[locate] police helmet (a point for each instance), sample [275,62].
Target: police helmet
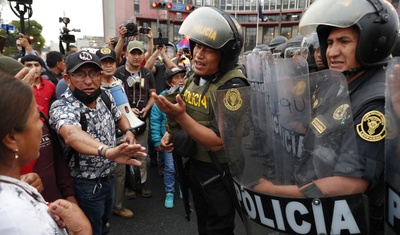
[309,45]
[276,41]
[217,30]
[396,49]
[170,44]
[279,51]
[377,22]
[295,41]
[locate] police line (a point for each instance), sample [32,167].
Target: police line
[327,215]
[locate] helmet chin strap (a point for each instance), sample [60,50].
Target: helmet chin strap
[352,71]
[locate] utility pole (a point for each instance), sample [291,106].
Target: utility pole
[280,19]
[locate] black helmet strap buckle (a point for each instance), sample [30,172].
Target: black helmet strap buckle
[383,15]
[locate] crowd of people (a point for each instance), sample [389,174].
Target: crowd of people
[67,144]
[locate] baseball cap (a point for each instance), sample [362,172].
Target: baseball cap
[170,72]
[105,52]
[10,65]
[135,45]
[79,58]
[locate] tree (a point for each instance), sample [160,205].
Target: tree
[32,29]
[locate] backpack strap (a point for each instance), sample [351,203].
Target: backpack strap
[106,99]
[84,124]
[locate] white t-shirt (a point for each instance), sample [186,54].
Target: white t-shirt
[23,210]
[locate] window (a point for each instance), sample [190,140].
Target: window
[250,39]
[286,32]
[136,9]
[268,34]
[176,36]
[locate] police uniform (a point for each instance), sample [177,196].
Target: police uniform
[332,151]
[367,94]
[212,202]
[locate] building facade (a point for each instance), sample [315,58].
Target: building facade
[262,20]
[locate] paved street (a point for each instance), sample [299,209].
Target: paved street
[151,217]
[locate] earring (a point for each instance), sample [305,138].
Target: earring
[16,154]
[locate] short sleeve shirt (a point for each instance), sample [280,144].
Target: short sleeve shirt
[100,125]
[23,210]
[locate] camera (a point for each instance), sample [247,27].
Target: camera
[160,40]
[132,29]
[65,36]
[144,30]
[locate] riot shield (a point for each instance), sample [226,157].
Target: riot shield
[309,135]
[392,148]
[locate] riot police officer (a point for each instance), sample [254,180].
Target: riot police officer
[311,51]
[358,45]
[215,42]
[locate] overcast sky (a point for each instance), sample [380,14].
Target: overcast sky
[85,15]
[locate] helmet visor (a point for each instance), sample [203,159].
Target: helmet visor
[336,13]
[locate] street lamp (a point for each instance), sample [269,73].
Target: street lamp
[22,7]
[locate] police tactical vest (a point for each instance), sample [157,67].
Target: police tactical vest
[198,106]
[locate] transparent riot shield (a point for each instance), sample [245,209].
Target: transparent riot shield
[392,148]
[311,137]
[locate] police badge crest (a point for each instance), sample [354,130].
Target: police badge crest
[372,126]
[233,100]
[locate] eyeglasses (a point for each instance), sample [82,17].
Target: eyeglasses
[80,76]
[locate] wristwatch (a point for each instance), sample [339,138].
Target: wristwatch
[131,129]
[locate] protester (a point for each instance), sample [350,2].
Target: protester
[51,167]
[24,47]
[109,64]
[139,84]
[123,41]
[86,118]
[55,67]
[23,209]
[214,61]
[175,79]
[159,61]
[44,90]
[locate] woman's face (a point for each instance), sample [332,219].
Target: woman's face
[28,141]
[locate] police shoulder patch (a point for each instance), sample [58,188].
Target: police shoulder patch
[372,126]
[233,100]
[300,88]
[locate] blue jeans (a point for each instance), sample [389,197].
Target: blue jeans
[95,198]
[169,172]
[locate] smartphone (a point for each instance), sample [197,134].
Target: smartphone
[144,30]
